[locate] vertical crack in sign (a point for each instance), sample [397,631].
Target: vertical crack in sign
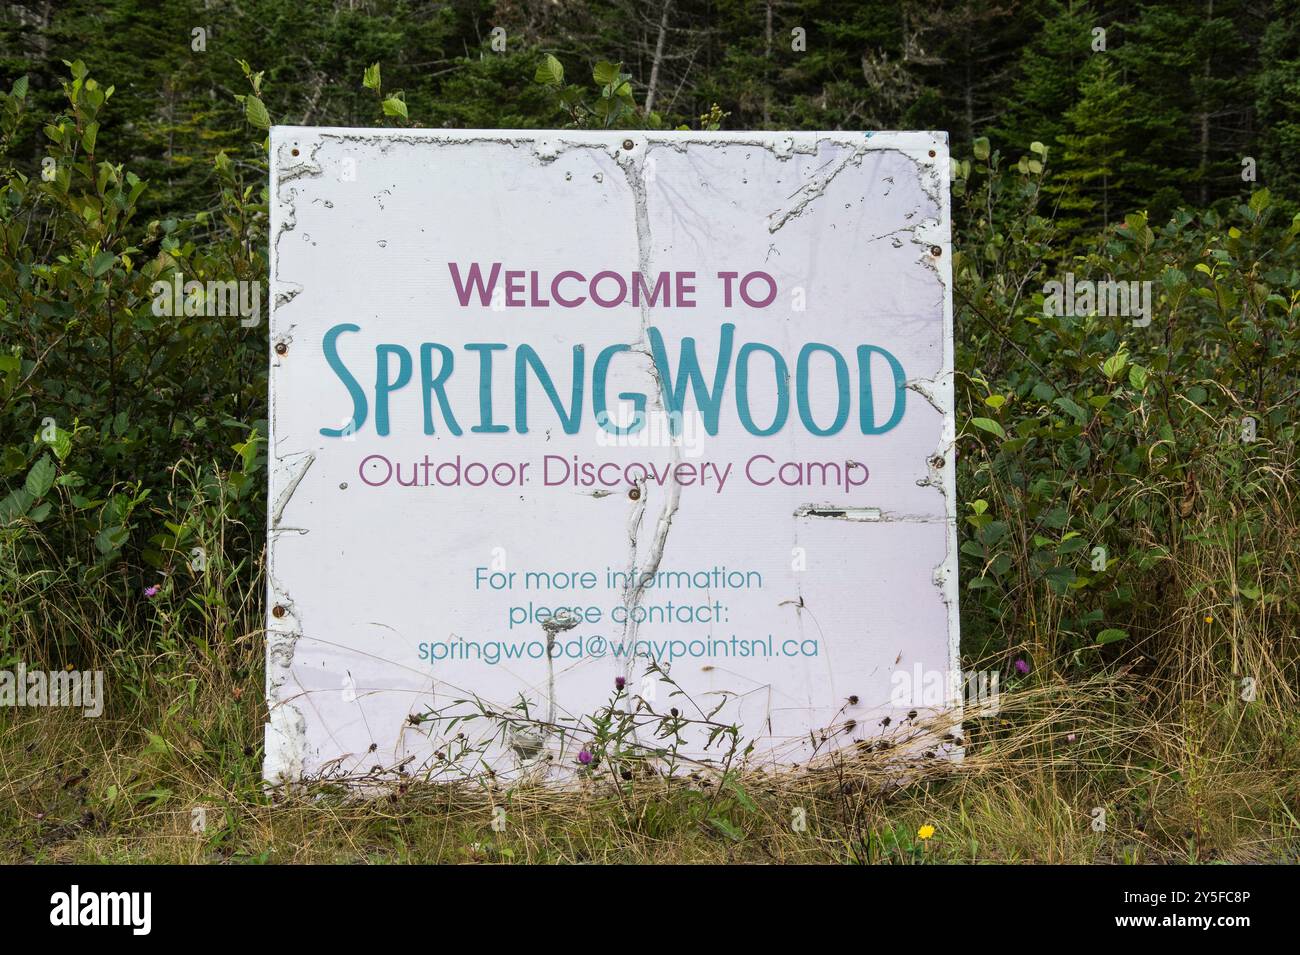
[641,572]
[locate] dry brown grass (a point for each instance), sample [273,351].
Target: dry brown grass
[1159,737]
[1220,783]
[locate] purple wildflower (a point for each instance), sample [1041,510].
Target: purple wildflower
[584,757]
[1022,667]
[619,682]
[152,591]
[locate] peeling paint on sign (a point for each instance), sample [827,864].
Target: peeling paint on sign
[770,544]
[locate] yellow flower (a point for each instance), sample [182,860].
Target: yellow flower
[1209,619]
[925,832]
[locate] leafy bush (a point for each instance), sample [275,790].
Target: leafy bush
[102,392]
[1092,431]
[1110,499]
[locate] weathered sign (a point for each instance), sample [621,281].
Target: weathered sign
[584,443]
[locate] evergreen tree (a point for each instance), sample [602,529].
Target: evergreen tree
[1277,102]
[1189,62]
[1046,83]
[1201,91]
[971,48]
[1091,175]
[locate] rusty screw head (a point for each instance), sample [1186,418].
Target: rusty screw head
[281,348]
[936,461]
[936,251]
[628,144]
[931,153]
[634,494]
[278,611]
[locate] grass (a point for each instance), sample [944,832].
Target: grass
[1159,738]
[1218,785]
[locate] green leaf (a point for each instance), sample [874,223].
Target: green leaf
[980,147]
[101,263]
[989,425]
[395,106]
[1172,279]
[1071,546]
[742,797]
[40,477]
[1111,636]
[1114,365]
[727,828]
[255,112]
[370,79]
[1072,408]
[1060,579]
[110,539]
[550,72]
[15,505]
[605,73]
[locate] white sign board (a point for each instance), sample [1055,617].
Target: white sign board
[687,396]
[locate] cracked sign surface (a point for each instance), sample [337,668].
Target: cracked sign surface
[689,395]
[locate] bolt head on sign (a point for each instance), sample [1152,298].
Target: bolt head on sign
[648,391]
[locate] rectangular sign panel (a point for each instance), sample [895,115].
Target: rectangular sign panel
[587,442]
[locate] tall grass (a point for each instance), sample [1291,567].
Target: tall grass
[1182,767]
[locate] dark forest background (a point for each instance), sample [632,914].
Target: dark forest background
[1182,92]
[1128,492]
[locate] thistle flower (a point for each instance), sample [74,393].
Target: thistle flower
[584,757]
[152,591]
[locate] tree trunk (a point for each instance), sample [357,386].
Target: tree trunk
[767,70]
[1205,121]
[659,56]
